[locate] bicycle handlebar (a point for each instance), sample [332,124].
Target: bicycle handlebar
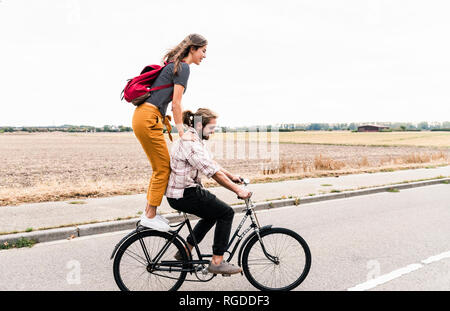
[246,181]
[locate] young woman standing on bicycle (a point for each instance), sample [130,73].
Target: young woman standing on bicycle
[149,117]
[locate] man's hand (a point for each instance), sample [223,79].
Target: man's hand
[244,194]
[236,179]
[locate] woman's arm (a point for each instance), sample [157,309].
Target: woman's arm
[177,109]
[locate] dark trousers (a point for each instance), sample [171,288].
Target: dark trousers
[211,210]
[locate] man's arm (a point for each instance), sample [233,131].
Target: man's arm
[224,181]
[227,173]
[211,169]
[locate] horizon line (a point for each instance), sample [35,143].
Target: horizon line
[223,125]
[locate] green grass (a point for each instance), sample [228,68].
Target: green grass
[445,182]
[393,190]
[22,242]
[28,229]
[387,170]
[335,191]
[77,202]
[326,185]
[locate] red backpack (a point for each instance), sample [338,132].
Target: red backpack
[138,89]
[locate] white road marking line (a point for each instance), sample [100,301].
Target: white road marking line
[398,273]
[436,258]
[385,278]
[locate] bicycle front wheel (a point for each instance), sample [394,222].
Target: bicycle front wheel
[280,261]
[135,266]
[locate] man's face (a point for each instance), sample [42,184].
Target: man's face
[208,129]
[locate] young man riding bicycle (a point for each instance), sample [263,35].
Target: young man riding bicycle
[185,191]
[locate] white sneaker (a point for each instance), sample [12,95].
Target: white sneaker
[154,223]
[163,218]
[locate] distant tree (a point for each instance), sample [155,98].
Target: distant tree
[314,127]
[352,127]
[423,126]
[124,128]
[7,129]
[411,126]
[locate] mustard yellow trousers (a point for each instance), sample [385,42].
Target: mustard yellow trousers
[148,125]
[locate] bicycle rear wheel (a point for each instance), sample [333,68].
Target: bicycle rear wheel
[132,271]
[290,264]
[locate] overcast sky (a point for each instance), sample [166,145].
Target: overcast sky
[268,62]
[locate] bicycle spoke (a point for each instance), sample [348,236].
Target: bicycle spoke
[136,257]
[290,256]
[133,264]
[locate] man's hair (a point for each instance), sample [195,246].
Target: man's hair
[203,114]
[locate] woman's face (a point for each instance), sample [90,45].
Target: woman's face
[198,55]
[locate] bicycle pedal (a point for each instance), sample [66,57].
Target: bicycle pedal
[226,275]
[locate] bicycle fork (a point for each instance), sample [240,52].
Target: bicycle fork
[255,221]
[273,259]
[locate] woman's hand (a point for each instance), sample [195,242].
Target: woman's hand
[188,136]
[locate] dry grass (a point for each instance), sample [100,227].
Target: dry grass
[41,167]
[424,138]
[322,164]
[325,163]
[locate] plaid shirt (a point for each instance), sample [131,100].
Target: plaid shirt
[187,159]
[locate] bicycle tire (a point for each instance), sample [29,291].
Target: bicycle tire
[252,247]
[146,235]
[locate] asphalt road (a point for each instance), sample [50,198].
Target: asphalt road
[385,241]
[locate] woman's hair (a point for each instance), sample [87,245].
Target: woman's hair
[206,115]
[179,52]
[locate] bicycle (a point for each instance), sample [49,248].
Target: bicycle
[149,262]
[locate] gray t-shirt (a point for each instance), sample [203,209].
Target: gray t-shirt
[162,98]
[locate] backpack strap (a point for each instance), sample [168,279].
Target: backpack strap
[160,87]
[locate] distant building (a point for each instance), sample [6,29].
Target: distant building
[371,128]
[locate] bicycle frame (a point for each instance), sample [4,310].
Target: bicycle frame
[176,265]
